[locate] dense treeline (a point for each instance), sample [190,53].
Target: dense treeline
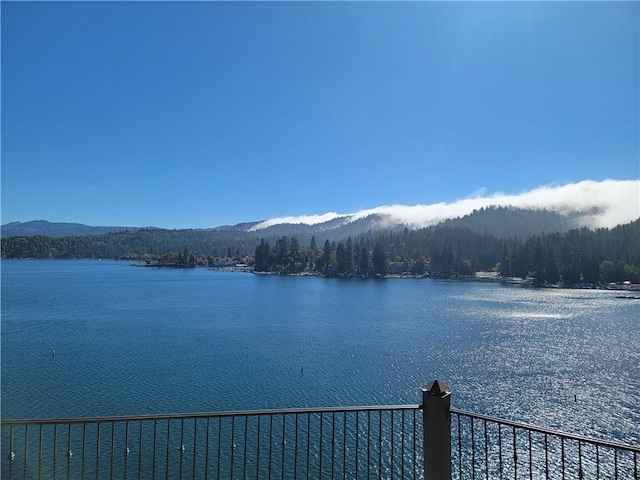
[342,258]
[441,251]
[577,256]
[136,244]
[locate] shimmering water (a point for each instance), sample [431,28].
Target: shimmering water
[139,340]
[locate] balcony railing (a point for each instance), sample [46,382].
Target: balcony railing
[360,442]
[429,441]
[489,447]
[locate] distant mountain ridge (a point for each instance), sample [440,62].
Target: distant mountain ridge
[498,221]
[55,229]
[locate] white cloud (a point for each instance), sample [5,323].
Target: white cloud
[605,203]
[306,219]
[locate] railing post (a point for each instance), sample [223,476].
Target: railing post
[436,401]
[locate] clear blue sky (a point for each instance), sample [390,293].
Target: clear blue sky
[200,114]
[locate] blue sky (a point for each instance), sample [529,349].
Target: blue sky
[199,114]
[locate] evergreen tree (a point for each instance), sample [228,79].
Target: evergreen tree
[261,258]
[341,258]
[363,263]
[348,256]
[379,260]
[326,256]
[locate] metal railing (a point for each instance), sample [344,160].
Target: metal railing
[488,448]
[336,443]
[431,441]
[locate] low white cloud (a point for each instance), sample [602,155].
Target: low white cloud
[605,203]
[302,219]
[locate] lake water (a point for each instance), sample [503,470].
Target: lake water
[141,340]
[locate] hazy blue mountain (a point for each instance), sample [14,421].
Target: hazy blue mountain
[54,229]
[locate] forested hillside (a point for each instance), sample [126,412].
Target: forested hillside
[578,256]
[514,222]
[136,244]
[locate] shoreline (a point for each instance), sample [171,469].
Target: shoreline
[627,290]
[478,277]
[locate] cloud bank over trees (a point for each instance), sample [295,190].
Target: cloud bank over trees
[605,203]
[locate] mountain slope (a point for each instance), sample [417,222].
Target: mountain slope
[498,221]
[509,221]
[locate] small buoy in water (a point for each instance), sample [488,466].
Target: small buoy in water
[301,369]
[53,353]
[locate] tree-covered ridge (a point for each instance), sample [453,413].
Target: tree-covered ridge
[137,244]
[579,256]
[510,221]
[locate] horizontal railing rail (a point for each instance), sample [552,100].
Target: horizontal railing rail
[487,447]
[230,413]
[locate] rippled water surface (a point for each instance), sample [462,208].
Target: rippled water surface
[139,340]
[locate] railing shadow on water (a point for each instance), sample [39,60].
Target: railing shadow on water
[432,441]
